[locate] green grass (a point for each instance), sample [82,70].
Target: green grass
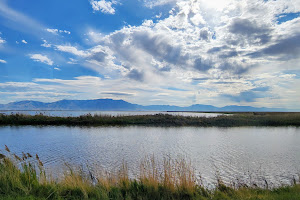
[25,178]
[237,119]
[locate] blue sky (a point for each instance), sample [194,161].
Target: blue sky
[177,52]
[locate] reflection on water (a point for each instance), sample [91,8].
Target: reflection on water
[110,113]
[246,153]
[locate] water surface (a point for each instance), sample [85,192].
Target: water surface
[244,153]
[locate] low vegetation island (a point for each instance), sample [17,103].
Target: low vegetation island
[229,120]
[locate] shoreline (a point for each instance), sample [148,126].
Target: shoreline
[24,177]
[160,120]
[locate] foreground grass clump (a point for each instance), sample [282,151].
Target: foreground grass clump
[236,119]
[24,178]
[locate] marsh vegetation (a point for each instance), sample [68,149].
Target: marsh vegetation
[24,177]
[235,119]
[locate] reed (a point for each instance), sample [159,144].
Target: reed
[236,119]
[167,179]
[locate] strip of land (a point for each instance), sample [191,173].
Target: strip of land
[232,120]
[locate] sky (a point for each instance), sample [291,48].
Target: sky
[152,52]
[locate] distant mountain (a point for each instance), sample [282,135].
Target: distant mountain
[98,104]
[250,109]
[120,105]
[196,107]
[24,105]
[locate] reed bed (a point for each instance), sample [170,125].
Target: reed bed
[236,119]
[24,177]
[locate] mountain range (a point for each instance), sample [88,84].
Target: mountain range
[121,105]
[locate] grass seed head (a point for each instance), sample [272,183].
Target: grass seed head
[17,157]
[7,149]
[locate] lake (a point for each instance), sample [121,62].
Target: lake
[77,113]
[244,153]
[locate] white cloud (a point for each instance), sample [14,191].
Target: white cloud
[158,16]
[95,36]
[24,41]
[154,3]
[212,40]
[41,58]
[72,61]
[88,83]
[56,31]
[64,31]
[46,44]
[148,23]
[2,61]
[103,6]
[72,50]
[203,49]
[2,41]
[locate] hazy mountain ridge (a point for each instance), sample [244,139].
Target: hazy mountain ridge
[121,105]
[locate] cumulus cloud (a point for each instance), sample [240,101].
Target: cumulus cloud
[154,3]
[56,31]
[72,61]
[205,35]
[159,46]
[286,49]
[136,75]
[2,41]
[210,49]
[246,31]
[72,50]
[3,61]
[202,65]
[46,44]
[246,27]
[103,6]
[41,58]
[198,38]
[24,41]
[289,47]
[178,34]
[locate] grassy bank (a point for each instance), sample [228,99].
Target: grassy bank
[23,177]
[237,119]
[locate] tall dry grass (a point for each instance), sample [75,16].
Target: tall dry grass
[24,175]
[176,174]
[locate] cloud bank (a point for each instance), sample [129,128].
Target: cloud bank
[238,52]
